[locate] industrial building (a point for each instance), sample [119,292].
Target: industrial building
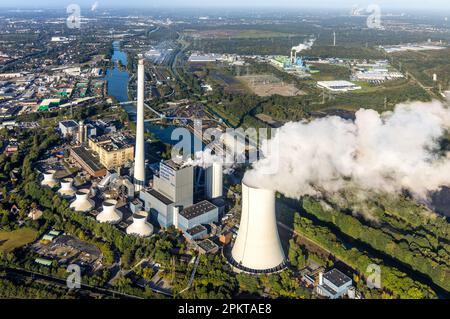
[333,284]
[68,128]
[202,213]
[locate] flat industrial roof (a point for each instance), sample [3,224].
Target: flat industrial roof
[207,245]
[336,277]
[196,230]
[69,123]
[160,197]
[197,210]
[88,158]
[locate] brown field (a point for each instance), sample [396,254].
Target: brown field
[268,85]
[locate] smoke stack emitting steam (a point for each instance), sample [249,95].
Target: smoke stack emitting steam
[388,152]
[139,161]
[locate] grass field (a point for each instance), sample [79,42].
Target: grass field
[15,239]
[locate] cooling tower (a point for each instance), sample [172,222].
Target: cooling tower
[139,161]
[140,226]
[82,202]
[49,179]
[67,190]
[110,214]
[257,248]
[214,181]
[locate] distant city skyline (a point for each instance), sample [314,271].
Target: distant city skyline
[442,5]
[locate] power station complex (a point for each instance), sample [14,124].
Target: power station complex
[168,199]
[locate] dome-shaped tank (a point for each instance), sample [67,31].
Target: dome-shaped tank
[140,226]
[67,190]
[82,202]
[49,179]
[110,213]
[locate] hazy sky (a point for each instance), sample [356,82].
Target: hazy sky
[443,5]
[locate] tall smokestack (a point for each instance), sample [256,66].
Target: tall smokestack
[139,161]
[258,248]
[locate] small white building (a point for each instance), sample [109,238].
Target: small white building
[338,86]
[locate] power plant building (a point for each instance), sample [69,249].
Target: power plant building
[203,213]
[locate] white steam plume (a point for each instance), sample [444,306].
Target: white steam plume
[388,152]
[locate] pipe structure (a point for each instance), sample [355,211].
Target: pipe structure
[139,161]
[257,248]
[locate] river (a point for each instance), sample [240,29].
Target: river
[118,87]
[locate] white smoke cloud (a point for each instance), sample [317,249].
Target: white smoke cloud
[95,6]
[304,46]
[388,152]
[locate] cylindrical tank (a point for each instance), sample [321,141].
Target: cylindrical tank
[258,247]
[49,179]
[110,214]
[140,226]
[82,202]
[214,181]
[67,190]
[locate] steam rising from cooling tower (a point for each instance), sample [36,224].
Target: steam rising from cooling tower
[139,162]
[82,202]
[258,248]
[389,152]
[110,214]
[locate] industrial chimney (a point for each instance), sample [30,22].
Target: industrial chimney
[110,213]
[49,179]
[139,161]
[214,181]
[140,226]
[257,248]
[82,202]
[67,190]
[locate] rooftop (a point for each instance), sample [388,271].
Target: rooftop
[337,278]
[197,210]
[87,157]
[160,197]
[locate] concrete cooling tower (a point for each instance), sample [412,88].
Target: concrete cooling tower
[140,226]
[257,248]
[82,202]
[110,214]
[49,179]
[67,190]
